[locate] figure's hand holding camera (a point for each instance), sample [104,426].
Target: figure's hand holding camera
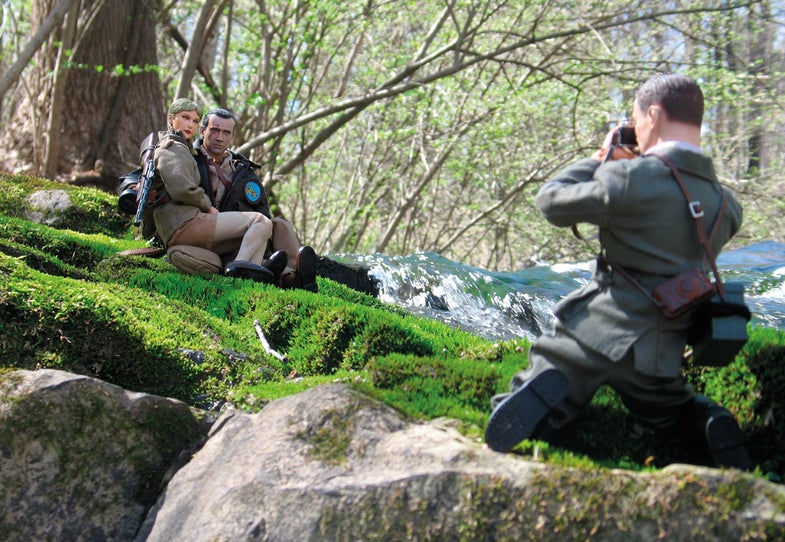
[620,144]
[624,138]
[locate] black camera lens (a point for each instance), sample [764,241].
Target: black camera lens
[127,201]
[126,190]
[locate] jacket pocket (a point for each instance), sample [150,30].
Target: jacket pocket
[576,301]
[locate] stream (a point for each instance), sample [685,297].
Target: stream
[505,305]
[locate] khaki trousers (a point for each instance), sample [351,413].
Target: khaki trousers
[223,233]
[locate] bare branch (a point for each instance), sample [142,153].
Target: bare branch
[404,81]
[194,51]
[52,21]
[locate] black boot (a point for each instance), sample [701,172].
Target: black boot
[717,433]
[307,262]
[520,414]
[247,270]
[276,263]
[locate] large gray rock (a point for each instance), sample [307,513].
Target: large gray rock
[332,464]
[81,459]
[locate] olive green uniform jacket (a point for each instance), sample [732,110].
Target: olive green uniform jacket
[645,227]
[179,175]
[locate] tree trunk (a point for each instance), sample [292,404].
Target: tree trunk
[109,98]
[59,85]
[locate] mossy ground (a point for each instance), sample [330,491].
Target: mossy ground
[69,301]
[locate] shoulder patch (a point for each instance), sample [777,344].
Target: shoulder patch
[252,191]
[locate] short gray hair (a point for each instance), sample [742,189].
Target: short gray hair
[184,104]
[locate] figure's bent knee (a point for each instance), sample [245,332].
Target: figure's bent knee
[262,226]
[256,219]
[194,260]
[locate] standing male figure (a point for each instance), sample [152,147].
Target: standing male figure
[236,187]
[610,332]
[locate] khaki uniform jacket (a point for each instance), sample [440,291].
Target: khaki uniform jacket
[179,174]
[645,227]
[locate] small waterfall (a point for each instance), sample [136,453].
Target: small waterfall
[504,305]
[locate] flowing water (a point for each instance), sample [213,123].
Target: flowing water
[504,305]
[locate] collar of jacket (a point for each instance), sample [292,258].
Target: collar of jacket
[665,146]
[686,159]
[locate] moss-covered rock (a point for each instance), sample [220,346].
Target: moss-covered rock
[83,459]
[330,464]
[89,210]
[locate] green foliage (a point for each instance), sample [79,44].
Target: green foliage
[69,301]
[401,126]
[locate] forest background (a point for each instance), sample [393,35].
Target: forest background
[396,126]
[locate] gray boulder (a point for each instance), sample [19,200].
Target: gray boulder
[332,464]
[85,460]
[82,459]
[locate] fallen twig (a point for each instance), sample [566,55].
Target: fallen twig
[265,344]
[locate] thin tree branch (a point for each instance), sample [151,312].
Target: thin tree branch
[52,21]
[403,81]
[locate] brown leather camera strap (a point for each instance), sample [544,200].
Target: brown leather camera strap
[696,211]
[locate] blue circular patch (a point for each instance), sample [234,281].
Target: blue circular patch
[253,192]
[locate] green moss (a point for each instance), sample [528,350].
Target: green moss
[94,211]
[555,504]
[68,301]
[330,440]
[428,387]
[255,396]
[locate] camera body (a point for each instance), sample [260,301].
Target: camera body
[130,201]
[627,136]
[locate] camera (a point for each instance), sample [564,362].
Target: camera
[625,136]
[127,192]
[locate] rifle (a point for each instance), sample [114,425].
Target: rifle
[146,152]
